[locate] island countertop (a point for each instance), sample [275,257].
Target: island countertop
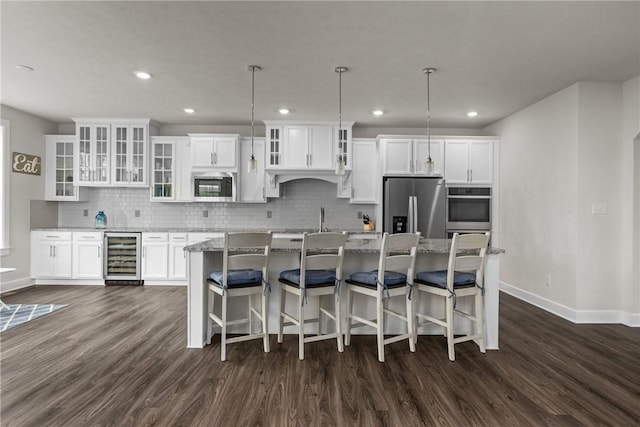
[359,245]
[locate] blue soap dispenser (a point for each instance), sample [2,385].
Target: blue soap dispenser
[101,220]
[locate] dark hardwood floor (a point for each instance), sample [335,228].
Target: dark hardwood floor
[116,356]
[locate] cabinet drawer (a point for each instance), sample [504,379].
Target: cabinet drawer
[201,237]
[155,237]
[87,237]
[53,235]
[178,237]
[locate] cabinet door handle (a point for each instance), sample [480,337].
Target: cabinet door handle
[99,251]
[310,160]
[144,252]
[470,175]
[211,161]
[50,251]
[54,251]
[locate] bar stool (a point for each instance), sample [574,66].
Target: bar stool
[463,277]
[395,265]
[244,273]
[319,275]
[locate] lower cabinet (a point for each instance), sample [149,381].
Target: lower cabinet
[51,256]
[177,256]
[87,255]
[155,256]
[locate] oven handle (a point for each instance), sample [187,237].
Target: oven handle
[468,197]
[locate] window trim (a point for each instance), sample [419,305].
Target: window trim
[5,182]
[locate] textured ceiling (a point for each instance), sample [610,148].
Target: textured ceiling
[493,57]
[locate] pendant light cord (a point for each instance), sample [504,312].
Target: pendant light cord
[253,73]
[428,71]
[340,70]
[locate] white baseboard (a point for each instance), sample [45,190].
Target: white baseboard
[571,314]
[16,284]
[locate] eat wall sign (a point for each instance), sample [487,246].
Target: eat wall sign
[26,163]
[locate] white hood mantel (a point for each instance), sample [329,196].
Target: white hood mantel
[279,176]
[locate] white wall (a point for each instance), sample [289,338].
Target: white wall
[538,174]
[631,195]
[557,158]
[27,136]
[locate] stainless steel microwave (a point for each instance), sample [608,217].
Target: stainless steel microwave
[214,187]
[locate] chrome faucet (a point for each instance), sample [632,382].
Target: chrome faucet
[321,228]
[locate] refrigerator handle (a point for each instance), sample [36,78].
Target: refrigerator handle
[414,228]
[412,215]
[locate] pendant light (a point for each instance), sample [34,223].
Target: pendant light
[252,166]
[340,163]
[428,164]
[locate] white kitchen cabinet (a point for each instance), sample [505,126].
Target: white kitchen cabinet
[112,152]
[469,162]
[87,255]
[51,255]
[59,184]
[91,165]
[214,152]
[252,185]
[193,238]
[177,256]
[365,176]
[129,161]
[306,145]
[170,169]
[155,254]
[406,156]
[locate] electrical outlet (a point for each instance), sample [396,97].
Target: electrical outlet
[547,281]
[268,214]
[136,213]
[205,214]
[85,212]
[359,214]
[599,208]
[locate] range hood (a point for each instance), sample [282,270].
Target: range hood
[279,176]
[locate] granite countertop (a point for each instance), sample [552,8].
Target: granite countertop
[193,230]
[426,246]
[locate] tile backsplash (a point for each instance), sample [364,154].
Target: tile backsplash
[297,207]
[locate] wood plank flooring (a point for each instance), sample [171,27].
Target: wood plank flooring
[117,356]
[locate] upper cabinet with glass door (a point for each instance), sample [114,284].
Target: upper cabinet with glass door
[59,172]
[113,152]
[306,145]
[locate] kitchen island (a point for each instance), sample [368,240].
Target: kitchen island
[360,255]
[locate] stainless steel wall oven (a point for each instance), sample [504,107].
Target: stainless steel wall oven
[468,209]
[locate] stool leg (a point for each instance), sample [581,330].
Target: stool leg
[301,327]
[283,300]
[410,323]
[250,314]
[480,321]
[347,333]
[210,301]
[380,325]
[338,323]
[223,334]
[449,328]
[265,319]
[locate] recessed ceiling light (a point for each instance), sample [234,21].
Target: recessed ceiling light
[143,75]
[283,111]
[377,112]
[24,67]
[189,110]
[472,113]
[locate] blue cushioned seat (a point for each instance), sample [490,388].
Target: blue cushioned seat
[237,278]
[392,279]
[439,279]
[312,277]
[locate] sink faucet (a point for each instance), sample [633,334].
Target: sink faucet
[321,228]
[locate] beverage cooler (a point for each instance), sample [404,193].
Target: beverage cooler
[122,258]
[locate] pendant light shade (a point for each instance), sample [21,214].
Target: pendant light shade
[340,161]
[428,164]
[252,165]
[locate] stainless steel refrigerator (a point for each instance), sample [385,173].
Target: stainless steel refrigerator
[414,204]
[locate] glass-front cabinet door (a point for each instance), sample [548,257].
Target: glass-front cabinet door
[163,169]
[59,172]
[129,155]
[92,158]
